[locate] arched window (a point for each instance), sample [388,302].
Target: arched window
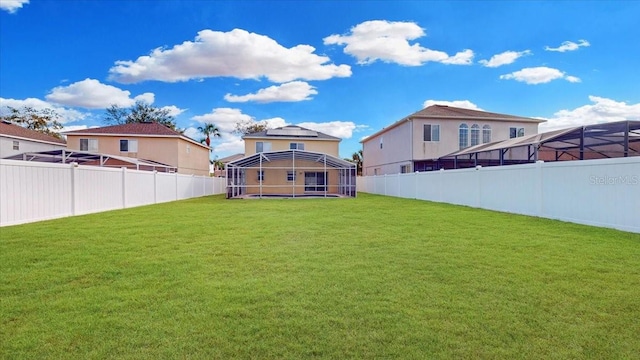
[486,134]
[464,136]
[475,134]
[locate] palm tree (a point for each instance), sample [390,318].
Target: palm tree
[209,131]
[357,159]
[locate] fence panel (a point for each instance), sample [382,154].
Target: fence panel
[39,191]
[604,192]
[34,192]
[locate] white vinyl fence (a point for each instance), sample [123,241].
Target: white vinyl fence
[602,193]
[31,191]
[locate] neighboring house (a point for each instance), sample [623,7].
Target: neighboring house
[220,171]
[291,161]
[148,141]
[415,142]
[15,139]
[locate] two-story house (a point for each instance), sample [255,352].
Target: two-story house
[416,142]
[15,139]
[148,141]
[290,161]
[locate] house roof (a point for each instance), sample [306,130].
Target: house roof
[291,132]
[444,112]
[231,158]
[150,129]
[12,130]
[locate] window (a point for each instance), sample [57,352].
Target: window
[381,138]
[515,132]
[263,146]
[296,146]
[291,176]
[132,146]
[188,148]
[16,145]
[475,134]
[405,169]
[88,144]
[431,132]
[486,134]
[260,175]
[464,136]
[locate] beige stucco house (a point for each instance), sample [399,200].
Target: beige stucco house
[416,142]
[147,141]
[290,161]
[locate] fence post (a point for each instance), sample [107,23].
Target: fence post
[74,188]
[479,190]
[124,187]
[155,186]
[539,188]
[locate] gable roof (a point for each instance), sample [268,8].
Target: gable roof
[12,130]
[444,112]
[291,132]
[147,129]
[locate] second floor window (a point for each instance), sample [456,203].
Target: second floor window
[16,145]
[431,132]
[463,136]
[262,146]
[129,145]
[515,132]
[475,134]
[296,146]
[88,144]
[486,134]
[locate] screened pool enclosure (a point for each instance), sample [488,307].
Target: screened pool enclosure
[291,173]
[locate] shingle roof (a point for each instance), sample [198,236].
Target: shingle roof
[291,131]
[14,130]
[444,112]
[145,128]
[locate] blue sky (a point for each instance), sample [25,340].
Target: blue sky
[346,68]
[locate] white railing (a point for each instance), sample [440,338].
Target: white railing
[31,191]
[602,192]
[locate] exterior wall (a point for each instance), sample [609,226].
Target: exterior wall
[329,147]
[192,159]
[188,157]
[275,177]
[395,151]
[404,143]
[6,146]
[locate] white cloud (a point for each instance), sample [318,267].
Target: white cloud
[505,58]
[389,42]
[236,53]
[602,110]
[465,104]
[569,46]
[11,6]
[224,118]
[92,94]
[66,115]
[341,129]
[538,75]
[173,110]
[232,144]
[288,92]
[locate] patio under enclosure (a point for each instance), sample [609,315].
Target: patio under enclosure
[291,173]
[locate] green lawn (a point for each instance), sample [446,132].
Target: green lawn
[372,277]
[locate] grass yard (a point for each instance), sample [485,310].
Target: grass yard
[372,277]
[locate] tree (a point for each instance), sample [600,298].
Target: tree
[249,127]
[209,130]
[356,158]
[42,120]
[138,113]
